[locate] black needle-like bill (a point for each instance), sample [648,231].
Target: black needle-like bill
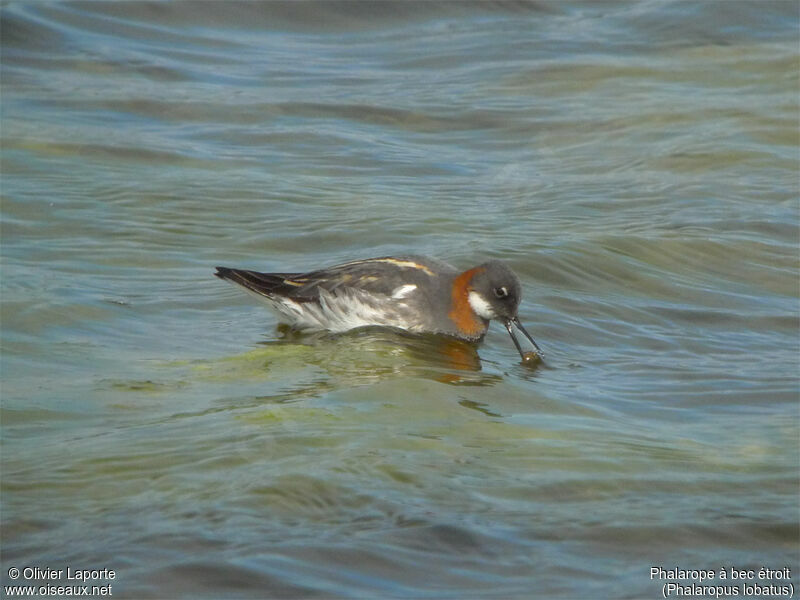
[513,323]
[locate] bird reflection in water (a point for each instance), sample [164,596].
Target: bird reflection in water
[377,352]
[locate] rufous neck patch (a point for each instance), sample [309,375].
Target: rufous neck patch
[461,313]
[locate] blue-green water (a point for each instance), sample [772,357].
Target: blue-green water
[635,163]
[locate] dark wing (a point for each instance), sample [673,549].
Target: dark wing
[376,276]
[266,284]
[305,287]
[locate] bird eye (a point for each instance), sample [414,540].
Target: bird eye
[501,292]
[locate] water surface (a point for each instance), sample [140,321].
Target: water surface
[636,164]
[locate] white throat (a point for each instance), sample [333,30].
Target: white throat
[481,307]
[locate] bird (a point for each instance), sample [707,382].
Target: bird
[413,293]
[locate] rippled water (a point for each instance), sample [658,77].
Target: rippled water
[635,163]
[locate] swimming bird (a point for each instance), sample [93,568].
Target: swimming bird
[413,293]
